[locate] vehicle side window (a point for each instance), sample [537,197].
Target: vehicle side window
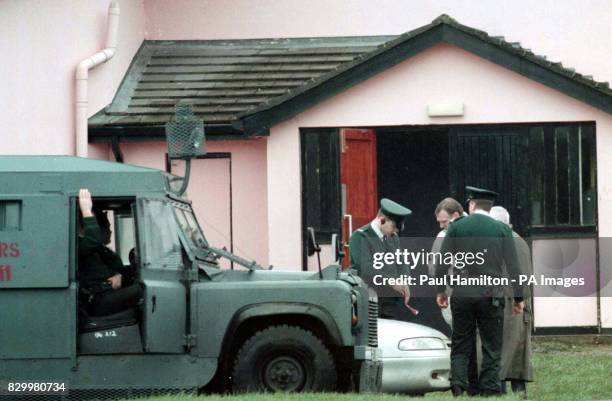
[10,215]
[125,239]
[116,216]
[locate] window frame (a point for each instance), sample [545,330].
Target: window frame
[548,167]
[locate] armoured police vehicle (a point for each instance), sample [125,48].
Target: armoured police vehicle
[246,329]
[252,328]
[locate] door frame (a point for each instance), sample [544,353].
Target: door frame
[335,143]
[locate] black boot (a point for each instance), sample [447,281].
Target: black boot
[456,390]
[519,387]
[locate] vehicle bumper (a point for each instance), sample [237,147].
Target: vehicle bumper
[416,375]
[369,371]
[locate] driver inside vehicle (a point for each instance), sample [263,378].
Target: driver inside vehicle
[103,278]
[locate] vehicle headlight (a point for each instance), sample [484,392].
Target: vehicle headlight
[421,343]
[354,317]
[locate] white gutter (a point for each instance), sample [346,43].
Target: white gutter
[82,74]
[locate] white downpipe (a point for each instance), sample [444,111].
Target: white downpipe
[82,74]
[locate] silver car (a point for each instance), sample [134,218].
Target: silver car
[416,358]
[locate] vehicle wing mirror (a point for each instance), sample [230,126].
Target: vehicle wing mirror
[312,242]
[336,244]
[314,247]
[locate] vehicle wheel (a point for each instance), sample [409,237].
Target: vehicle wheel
[284,359]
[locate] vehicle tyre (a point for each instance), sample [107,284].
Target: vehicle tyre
[284,359]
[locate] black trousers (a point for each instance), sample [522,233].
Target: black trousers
[113,301]
[488,315]
[473,371]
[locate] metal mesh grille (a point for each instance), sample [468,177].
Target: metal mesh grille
[185,134]
[373,323]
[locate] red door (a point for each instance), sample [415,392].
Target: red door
[358,177]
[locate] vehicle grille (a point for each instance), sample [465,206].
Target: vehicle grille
[373,323]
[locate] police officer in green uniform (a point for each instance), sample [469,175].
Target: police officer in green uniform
[102,276]
[381,236]
[479,305]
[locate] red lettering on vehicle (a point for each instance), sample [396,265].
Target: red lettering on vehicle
[9,250]
[5,273]
[15,250]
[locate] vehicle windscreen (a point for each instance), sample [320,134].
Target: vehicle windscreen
[190,227]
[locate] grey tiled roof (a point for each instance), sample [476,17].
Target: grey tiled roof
[224,78]
[251,85]
[442,29]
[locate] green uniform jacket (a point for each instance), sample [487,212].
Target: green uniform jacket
[516,349]
[97,263]
[475,234]
[364,243]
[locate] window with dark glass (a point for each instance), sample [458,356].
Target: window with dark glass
[10,215]
[321,181]
[563,175]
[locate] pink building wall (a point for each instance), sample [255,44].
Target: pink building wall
[41,43]
[210,197]
[399,96]
[574,32]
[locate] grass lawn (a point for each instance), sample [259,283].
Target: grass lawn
[566,370]
[570,371]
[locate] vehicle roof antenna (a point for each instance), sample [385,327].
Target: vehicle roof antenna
[186,141]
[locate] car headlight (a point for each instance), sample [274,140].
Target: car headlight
[421,343]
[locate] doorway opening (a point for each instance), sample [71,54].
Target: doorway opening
[545,174]
[413,168]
